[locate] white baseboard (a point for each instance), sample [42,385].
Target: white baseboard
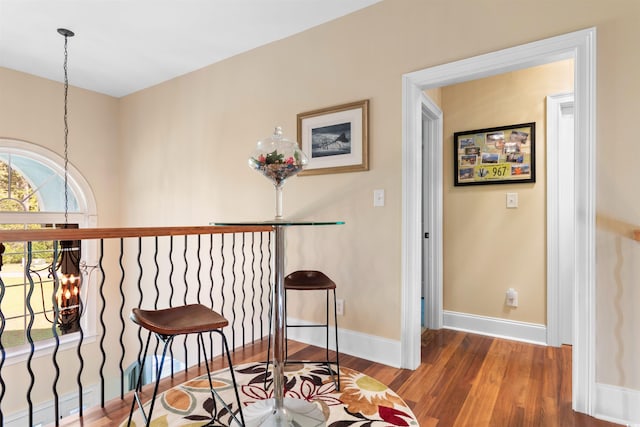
[618,405]
[44,413]
[364,346]
[510,329]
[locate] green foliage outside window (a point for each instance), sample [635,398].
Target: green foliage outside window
[17,195]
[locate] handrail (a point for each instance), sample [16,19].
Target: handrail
[232,274]
[110,233]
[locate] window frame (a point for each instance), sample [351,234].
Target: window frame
[85,217]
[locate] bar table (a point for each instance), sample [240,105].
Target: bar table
[281,411]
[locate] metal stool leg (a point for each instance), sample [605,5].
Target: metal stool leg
[139,382]
[214,394]
[335,324]
[266,369]
[286,328]
[136,398]
[233,377]
[167,341]
[326,328]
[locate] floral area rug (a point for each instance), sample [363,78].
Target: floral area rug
[362,401]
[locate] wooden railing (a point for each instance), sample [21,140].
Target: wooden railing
[44,379]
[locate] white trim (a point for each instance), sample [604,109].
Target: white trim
[580,46]
[44,414]
[501,328]
[363,346]
[560,207]
[433,183]
[584,345]
[45,348]
[618,405]
[411,223]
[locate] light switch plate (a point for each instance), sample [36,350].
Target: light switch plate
[378,198]
[512,200]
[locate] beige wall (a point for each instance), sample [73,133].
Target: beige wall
[206,123]
[195,133]
[31,110]
[487,247]
[435,95]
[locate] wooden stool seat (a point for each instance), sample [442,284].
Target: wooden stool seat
[308,280]
[186,319]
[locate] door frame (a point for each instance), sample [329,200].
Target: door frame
[431,194]
[560,215]
[579,45]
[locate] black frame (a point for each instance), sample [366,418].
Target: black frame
[498,155]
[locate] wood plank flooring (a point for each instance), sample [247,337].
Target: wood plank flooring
[464,380]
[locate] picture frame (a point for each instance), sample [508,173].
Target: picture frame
[335,139]
[498,155]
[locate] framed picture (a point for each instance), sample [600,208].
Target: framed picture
[501,155]
[335,139]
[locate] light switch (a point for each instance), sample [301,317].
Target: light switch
[378,198]
[512,200]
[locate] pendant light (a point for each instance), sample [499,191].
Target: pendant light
[67,267]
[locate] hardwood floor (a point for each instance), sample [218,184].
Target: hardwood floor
[464,380]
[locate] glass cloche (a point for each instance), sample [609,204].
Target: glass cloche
[278,158]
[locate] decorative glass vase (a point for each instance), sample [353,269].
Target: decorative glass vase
[278,158]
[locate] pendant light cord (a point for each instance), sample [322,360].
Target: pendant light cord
[66,136]
[66,33]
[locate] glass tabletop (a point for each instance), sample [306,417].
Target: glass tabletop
[274,222]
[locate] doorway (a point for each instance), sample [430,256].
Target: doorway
[581,47]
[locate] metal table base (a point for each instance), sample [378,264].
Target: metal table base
[281,411]
[294,412]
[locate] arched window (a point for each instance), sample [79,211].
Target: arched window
[33,195]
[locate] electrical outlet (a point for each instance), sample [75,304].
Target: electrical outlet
[340,307]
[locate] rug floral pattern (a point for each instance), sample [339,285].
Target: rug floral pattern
[362,401]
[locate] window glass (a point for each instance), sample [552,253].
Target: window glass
[33,184]
[32,196]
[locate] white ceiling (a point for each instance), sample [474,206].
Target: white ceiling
[122,46]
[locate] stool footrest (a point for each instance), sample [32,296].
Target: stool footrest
[306,326]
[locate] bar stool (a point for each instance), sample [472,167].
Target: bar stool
[311,280]
[168,323]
